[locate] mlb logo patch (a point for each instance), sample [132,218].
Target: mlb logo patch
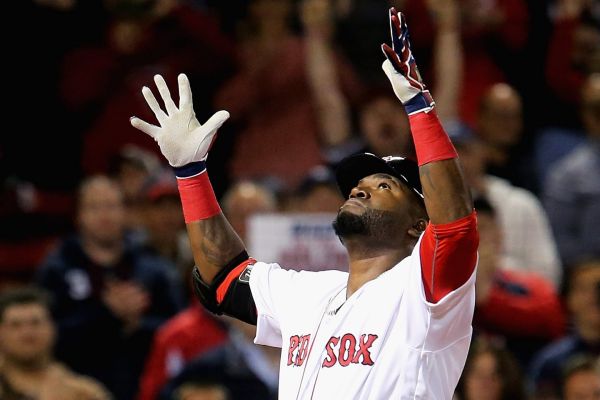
[245,276]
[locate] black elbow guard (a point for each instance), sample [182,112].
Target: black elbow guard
[229,293]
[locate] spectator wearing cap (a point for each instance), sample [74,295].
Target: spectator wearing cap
[110,293]
[583,301]
[521,307]
[527,241]
[164,227]
[131,168]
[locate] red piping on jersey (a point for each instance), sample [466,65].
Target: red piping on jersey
[231,276]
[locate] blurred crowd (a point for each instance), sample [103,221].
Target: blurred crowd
[95,293]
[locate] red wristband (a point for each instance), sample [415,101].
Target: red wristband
[431,141]
[197,198]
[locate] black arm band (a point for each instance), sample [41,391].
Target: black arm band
[238,301]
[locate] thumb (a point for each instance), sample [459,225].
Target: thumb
[216,121]
[210,128]
[388,68]
[149,129]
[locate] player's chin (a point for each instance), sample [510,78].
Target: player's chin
[346,213]
[348,223]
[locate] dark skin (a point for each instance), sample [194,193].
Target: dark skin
[447,199]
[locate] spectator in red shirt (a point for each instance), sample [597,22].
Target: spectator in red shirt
[492,32]
[181,339]
[193,332]
[282,95]
[100,83]
[523,307]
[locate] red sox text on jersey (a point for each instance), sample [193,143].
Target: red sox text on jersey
[343,350]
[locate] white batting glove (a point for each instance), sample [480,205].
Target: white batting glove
[401,68]
[181,138]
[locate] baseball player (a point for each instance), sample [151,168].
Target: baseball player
[398,325]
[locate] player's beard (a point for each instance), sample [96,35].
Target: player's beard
[371,223]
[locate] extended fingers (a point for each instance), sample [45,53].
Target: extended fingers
[153,104]
[404,35]
[163,89]
[395,31]
[185,92]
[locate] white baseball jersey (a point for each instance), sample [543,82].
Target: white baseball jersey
[383,342]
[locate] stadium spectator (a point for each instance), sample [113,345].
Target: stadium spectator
[110,295]
[131,168]
[583,301]
[164,228]
[318,192]
[244,199]
[28,370]
[527,239]
[384,124]
[493,35]
[581,379]
[248,371]
[520,306]
[491,373]
[572,188]
[500,126]
[180,340]
[99,83]
[573,54]
[280,96]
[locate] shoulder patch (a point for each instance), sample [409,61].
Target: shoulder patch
[245,276]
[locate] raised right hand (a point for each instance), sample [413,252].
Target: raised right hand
[401,68]
[181,138]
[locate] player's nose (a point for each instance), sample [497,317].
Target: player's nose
[359,192]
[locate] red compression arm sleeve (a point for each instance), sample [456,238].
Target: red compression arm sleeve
[448,256]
